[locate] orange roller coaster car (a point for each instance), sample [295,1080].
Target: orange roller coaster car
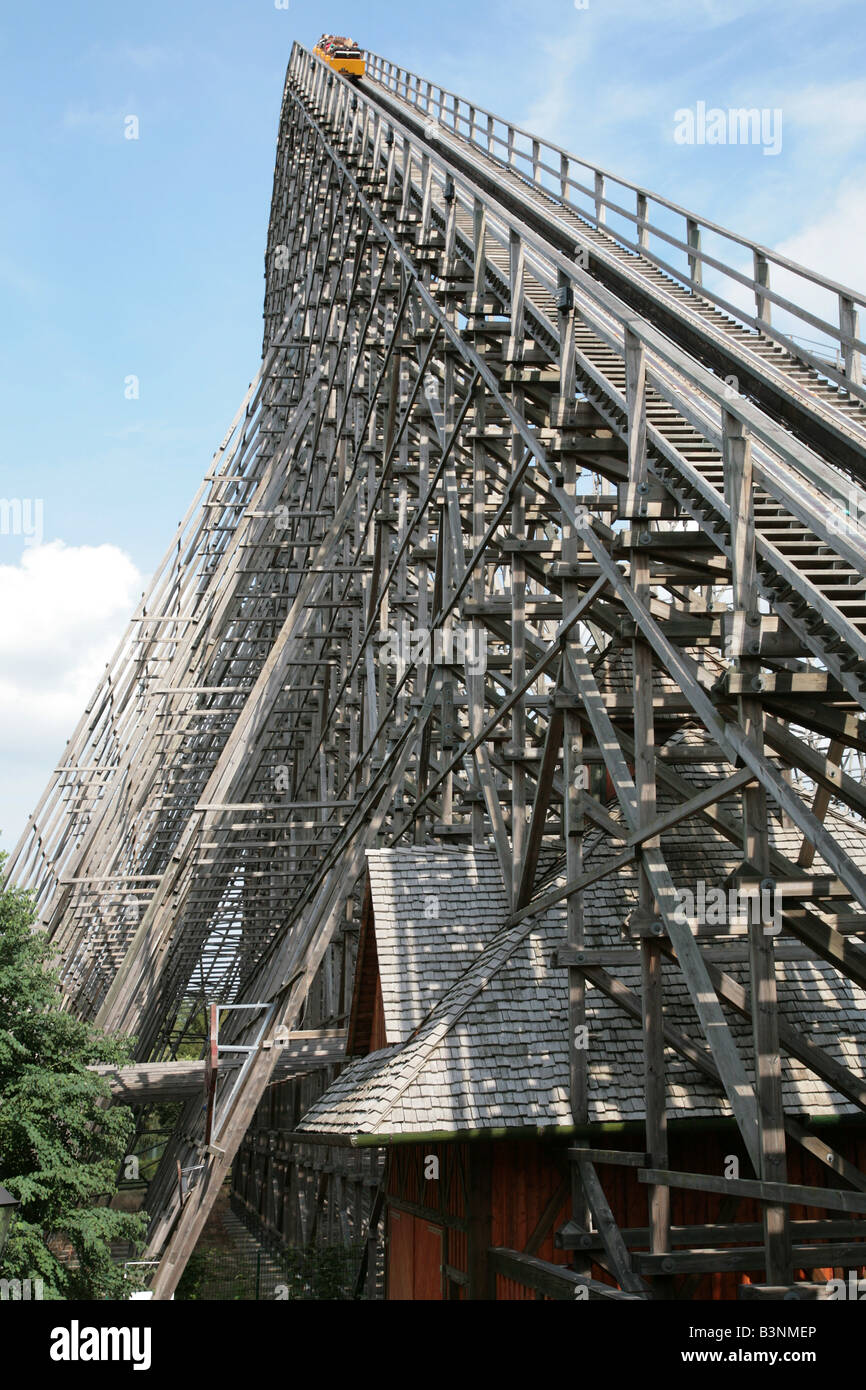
[342,54]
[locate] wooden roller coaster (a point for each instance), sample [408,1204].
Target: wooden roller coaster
[509,401]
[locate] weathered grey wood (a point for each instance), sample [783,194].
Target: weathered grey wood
[652,997]
[794,1042]
[832,1199]
[739,492]
[713,1233]
[553,1281]
[431,318]
[774,1293]
[847,1256]
[608,1230]
[706,1004]
[543,788]
[146,1082]
[480,1223]
[619,1157]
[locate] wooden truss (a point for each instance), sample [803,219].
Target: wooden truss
[499,423]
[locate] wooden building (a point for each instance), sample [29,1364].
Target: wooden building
[459,1024]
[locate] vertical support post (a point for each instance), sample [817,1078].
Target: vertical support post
[423,625]
[407,181]
[517,260]
[480,1223]
[518,667]
[821,802]
[574,824]
[574,777]
[426,198]
[567,360]
[479,238]
[600,209]
[211,1069]
[473,678]
[739,492]
[332,101]
[693,236]
[391,165]
[849,326]
[652,998]
[641,214]
[762,282]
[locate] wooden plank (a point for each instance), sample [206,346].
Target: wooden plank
[479,1214]
[494,810]
[832,1199]
[571,1237]
[608,1230]
[619,1157]
[553,1281]
[849,1255]
[709,796]
[544,786]
[774,1293]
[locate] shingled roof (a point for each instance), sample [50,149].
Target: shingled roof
[476,1011]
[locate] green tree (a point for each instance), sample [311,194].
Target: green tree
[61,1144]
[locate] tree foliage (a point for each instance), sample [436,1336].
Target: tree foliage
[61,1145]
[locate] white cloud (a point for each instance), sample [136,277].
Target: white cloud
[64,610]
[833,242]
[832,245]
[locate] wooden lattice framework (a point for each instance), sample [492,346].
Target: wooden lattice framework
[497,403]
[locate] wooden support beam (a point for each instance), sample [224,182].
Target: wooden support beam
[794,1042]
[771,1193]
[847,1255]
[605,1224]
[714,1023]
[550,756]
[549,1280]
[479,1214]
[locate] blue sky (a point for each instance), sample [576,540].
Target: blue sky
[145,257]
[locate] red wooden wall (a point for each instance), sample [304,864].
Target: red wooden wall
[428,1221]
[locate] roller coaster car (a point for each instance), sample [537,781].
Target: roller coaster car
[342,54]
